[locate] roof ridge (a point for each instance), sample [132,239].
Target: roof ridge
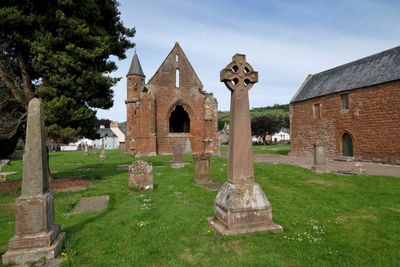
[357,60]
[371,70]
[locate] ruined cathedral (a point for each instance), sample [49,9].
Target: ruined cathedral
[172,108]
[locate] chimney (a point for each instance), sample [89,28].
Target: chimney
[114,124]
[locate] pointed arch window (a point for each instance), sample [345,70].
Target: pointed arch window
[179,121]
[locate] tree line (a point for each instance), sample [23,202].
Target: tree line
[61,52]
[268,125]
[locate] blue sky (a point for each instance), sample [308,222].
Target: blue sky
[283,40]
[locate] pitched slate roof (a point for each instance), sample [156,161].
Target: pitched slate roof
[376,69]
[105,132]
[135,67]
[122,128]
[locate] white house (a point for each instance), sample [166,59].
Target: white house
[106,134]
[108,137]
[120,132]
[282,135]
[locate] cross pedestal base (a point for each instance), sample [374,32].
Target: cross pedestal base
[26,255]
[241,209]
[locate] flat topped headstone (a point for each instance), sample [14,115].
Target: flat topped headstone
[92,204]
[36,234]
[241,205]
[202,168]
[319,165]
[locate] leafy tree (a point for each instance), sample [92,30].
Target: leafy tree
[268,124]
[60,51]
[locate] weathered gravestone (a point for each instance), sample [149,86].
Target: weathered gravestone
[94,150]
[202,168]
[177,161]
[103,155]
[188,146]
[319,165]
[241,205]
[85,149]
[4,162]
[359,168]
[141,175]
[92,204]
[36,234]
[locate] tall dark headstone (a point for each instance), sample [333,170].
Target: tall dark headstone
[177,161]
[36,234]
[241,205]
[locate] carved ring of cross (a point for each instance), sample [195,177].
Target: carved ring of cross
[239,74]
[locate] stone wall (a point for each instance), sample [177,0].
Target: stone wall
[148,117]
[373,121]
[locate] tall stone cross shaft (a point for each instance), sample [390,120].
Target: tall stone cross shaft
[35,180]
[241,206]
[36,234]
[239,77]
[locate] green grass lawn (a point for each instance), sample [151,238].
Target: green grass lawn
[267,149]
[328,219]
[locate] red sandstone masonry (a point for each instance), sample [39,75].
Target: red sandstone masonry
[149,127]
[373,120]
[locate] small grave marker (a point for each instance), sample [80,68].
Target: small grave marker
[177,162]
[141,175]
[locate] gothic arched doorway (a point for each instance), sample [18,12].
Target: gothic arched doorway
[347,145]
[179,121]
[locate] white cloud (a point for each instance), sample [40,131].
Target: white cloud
[282,54]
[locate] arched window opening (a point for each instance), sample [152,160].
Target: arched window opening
[177,77]
[347,145]
[179,121]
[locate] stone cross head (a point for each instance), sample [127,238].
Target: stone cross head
[239,74]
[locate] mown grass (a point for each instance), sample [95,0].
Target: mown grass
[329,220]
[267,149]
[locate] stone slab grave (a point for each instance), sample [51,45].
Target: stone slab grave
[241,206]
[141,175]
[123,167]
[177,161]
[36,234]
[357,169]
[319,165]
[84,169]
[92,204]
[3,175]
